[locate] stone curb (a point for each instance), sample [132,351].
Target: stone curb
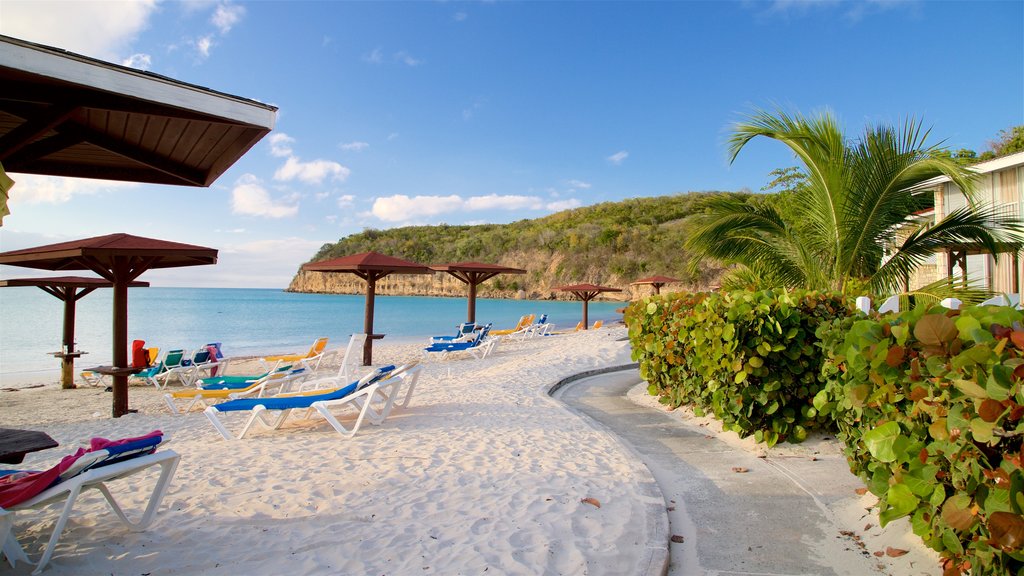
[656,558]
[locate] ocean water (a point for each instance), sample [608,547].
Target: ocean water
[247,322]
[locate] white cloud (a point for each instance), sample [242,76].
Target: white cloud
[579,184]
[203,46]
[407,59]
[312,172]
[98,28]
[374,57]
[138,61]
[251,198]
[354,146]
[34,189]
[226,16]
[402,208]
[618,157]
[495,202]
[346,200]
[280,144]
[563,205]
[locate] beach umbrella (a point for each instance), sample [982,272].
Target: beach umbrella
[656,281]
[120,259]
[371,267]
[474,274]
[586,293]
[69,289]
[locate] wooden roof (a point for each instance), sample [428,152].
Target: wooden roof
[63,114]
[67,282]
[105,250]
[656,280]
[368,262]
[477,267]
[587,288]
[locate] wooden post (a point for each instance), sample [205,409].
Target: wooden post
[471,305]
[67,372]
[585,322]
[371,290]
[120,327]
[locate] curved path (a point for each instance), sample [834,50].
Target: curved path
[737,514]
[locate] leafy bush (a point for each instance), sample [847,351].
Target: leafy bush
[747,357]
[929,404]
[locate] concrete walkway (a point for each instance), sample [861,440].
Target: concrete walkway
[737,514]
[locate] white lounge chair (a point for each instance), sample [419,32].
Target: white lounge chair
[373,403]
[265,385]
[352,359]
[479,348]
[284,404]
[93,470]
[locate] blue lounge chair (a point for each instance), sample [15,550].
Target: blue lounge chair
[91,470]
[479,347]
[465,332]
[359,393]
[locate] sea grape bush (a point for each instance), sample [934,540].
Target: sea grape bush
[750,358]
[930,406]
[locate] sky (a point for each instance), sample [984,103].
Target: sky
[410,113]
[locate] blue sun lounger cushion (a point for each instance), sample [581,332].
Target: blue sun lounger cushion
[292,402]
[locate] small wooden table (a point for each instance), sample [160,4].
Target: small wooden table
[14,444]
[67,363]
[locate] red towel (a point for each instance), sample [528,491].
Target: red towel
[20,486]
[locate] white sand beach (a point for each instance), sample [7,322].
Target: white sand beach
[483,473]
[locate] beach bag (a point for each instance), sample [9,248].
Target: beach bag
[140,356]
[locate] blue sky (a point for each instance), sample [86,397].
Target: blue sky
[395,113]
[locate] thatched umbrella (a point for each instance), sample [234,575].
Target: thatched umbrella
[69,289]
[119,259]
[656,281]
[370,266]
[474,274]
[586,293]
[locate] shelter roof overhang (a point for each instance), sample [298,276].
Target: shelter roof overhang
[104,250]
[64,114]
[67,282]
[477,267]
[656,280]
[368,262]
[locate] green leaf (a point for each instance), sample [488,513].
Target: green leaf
[740,376]
[900,502]
[652,307]
[970,388]
[880,441]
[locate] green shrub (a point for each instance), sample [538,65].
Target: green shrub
[929,404]
[747,357]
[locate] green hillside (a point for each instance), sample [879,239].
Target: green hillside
[603,243]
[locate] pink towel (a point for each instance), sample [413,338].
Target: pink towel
[20,486]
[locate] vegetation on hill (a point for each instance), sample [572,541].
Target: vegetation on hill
[604,243]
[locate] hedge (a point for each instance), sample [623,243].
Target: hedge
[750,358]
[929,404]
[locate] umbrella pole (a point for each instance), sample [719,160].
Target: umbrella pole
[471,306]
[585,313]
[67,372]
[371,290]
[120,401]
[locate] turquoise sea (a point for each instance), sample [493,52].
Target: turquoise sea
[247,321]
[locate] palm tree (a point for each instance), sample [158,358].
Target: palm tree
[854,198]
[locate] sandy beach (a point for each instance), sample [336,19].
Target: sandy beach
[483,473]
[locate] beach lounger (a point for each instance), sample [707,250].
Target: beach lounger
[357,393]
[479,348]
[310,360]
[189,370]
[524,321]
[373,403]
[539,328]
[352,359]
[269,384]
[103,462]
[464,332]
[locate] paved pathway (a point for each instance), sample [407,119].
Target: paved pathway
[775,519]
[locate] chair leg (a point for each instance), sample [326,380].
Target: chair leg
[167,467]
[11,548]
[170,403]
[61,522]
